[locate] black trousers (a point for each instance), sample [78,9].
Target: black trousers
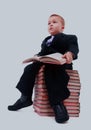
[56,80]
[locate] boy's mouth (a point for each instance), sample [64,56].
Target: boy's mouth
[51,29]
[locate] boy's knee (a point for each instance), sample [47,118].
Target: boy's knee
[34,66]
[27,67]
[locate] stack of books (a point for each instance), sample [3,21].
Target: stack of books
[41,103]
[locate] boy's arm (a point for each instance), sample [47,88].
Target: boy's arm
[42,51]
[72,52]
[73,46]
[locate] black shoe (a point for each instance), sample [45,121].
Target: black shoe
[20,104]
[61,114]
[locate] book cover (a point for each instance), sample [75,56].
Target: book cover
[55,58]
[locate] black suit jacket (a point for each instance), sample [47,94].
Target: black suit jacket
[61,43]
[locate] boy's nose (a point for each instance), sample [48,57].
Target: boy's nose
[51,24]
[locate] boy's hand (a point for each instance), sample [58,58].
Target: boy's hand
[68,56]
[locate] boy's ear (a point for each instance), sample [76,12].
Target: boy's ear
[63,27]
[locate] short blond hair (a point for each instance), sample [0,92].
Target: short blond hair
[61,18]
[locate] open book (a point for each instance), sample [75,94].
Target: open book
[55,58]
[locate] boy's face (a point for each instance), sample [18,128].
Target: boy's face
[55,25]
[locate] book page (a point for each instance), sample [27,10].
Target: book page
[55,58]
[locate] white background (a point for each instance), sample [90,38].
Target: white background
[23,26]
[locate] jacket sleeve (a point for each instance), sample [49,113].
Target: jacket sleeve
[41,52]
[73,46]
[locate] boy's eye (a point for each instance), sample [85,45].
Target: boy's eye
[49,23]
[54,22]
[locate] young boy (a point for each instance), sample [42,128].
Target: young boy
[56,78]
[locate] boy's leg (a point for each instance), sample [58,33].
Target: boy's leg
[56,80]
[27,80]
[25,86]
